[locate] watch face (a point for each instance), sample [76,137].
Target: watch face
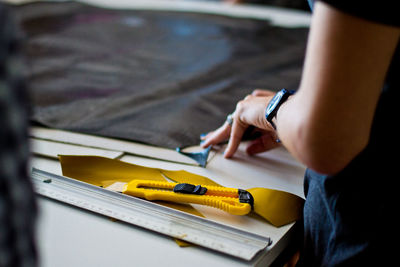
[274,101]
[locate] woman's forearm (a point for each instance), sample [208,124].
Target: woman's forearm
[328,122]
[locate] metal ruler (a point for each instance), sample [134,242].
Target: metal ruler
[171,222]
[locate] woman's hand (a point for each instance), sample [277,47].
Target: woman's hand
[249,112]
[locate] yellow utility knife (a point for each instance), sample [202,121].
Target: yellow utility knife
[234,201]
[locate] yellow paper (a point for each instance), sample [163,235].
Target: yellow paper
[277,207]
[187,177]
[101,171]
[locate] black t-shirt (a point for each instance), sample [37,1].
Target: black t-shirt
[350,218]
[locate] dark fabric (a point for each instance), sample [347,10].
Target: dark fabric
[17,203]
[157,77]
[386,11]
[350,218]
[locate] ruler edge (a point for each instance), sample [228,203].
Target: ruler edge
[150,205]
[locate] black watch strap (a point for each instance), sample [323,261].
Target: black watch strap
[273,105]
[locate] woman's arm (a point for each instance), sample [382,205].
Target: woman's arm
[327,123]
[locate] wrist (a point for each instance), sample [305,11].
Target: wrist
[281,109]
[274,105]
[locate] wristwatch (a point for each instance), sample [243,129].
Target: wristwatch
[273,105]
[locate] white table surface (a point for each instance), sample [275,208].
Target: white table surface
[69,236]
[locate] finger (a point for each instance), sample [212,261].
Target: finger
[262,92]
[206,136]
[217,136]
[236,135]
[234,1]
[248,97]
[264,143]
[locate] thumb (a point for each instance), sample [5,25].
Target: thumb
[264,143]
